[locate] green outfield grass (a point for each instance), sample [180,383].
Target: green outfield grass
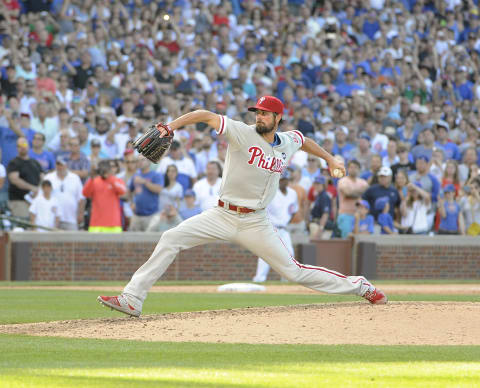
[54,305]
[49,362]
[27,361]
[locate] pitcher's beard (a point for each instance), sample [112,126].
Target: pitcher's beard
[262,129]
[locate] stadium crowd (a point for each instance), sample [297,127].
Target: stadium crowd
[391,87]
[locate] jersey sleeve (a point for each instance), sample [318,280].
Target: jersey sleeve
[297,139]
[236,132]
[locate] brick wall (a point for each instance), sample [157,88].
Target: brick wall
[425,257]
[118,260]
[84,256]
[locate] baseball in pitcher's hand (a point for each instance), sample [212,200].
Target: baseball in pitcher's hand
[334,164]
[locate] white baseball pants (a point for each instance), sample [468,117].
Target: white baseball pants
[252,231]
[263,268]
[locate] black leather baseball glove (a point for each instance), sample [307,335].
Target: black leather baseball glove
[152,144]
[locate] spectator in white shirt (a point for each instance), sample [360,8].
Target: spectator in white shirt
[207,189]
[44,210]
[183,163]
[67,189]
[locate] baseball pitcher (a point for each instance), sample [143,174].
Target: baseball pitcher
[256,156]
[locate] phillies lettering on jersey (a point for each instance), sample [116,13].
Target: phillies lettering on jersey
[252,166]
[270,163]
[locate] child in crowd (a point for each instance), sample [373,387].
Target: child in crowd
[384,219]
[451,217]
[44,209]
[364,222]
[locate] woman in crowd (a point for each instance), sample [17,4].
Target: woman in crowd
[172,192]
[414,209]
[470,205]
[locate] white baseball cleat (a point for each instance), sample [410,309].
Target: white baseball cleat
[120,303]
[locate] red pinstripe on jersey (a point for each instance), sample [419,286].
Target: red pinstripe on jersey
[300,135]
[222,125]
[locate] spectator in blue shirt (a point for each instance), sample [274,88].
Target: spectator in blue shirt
[385,220]
[37,152]
[371,25]
[451,217]
[341,147]
[383,189]
[321,210]
[364,222]
[450,149]
[462,86]
[346,87]
[145,187]
[189,209]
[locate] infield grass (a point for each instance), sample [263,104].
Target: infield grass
[28,361]
[59,362]
[53,305]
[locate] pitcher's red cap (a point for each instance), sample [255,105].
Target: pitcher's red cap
[269,104]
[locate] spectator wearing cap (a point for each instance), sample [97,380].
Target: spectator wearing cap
[310,171]
[24,176]
[422,174]
[427,145]
[105,191]
[321,211]
[350,190]
[364,222]
[44,157]
[183,163]
[362,153]
[383,188]
[67,189]
[207,189]
[44,123]
[414,210]
[77,162]
[280,212]
[384,218]
[145,187]
[189,207]
[451,217]
[450,149]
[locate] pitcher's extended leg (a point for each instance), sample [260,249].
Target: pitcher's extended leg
[260,237]
[208,226]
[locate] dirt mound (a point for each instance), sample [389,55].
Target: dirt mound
[398,323]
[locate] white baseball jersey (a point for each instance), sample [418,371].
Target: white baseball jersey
[252,165]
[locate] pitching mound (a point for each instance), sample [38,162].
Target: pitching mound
[399,323]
